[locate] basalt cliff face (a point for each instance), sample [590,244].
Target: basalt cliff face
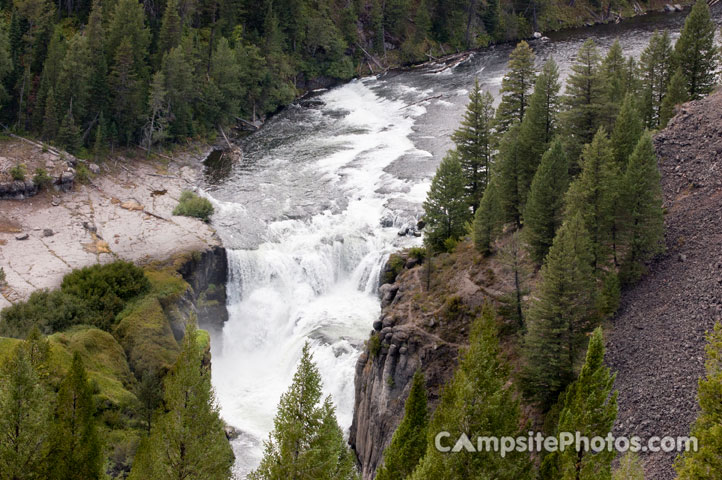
[419,328]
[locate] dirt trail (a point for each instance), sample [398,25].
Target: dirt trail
[656,345]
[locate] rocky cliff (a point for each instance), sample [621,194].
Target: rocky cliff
[656,345]
[419,328]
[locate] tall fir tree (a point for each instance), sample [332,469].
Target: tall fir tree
[25,408]
[69,133]
[592,195]
[696,53]
[706,462]
[512,173]
[446,210]
[6,63]
[488,219]
[561,314]
[589,406]
[655,69]
[477,400]
[473,141]
[676,94]
[543,213]
[627,130]
[516,87]
[408,444]
[98,64]
[76,451]
[73,85]
[584,98]
[50,119]
[127,93]
[614,73]
[644,232]
[306,442]
[170,29]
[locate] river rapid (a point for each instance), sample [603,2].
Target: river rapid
[312,211]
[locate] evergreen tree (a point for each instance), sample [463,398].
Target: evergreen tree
[49,76]
[511,176]
[593,196]
[126,88]
[544,209]
[76,452]
[98,63]
[561,314]
[156,127]
[584,98]
[170,29]
[516,87]
[6,63]
[181,92]
[73,85]
[69,134]
[695,51]
[473,141]
[676,94]
[127,25]
[643,205]
[706,462]
[614,73]
[306,442]
[187,439]
[655,65]
[24,419]
[627,130]
[408,445]
[50,119]
[476,401]
[488,219]
[630,468]
[590,408]
[446,210]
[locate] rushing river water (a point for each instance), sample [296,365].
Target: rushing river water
[314,208]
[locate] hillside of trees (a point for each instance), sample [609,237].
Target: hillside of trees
[90,76]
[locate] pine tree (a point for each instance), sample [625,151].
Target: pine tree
[544,208]
[627,130]
[476,401]
[73,85]
[706,462]
[69,134]
[655,65]
[676,94]
[306,442]
[584,97]
[446,210]
[630,468]
[511,175]
[24,418]
[170,29]
[516,87]
[614,73]
[98,62]
[561,314]
[488,219]
[125,87]
[593,196]
[187,439]
[590,408]
[181,92]
[644,235]
[156,127]
[6,63]
[408,444]
[50,119]
[695,51]
[76,452]
[127,24]
[473,141]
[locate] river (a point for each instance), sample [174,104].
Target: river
[315,206]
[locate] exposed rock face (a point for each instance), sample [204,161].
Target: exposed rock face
[657,343]
[416,330]
[207,274]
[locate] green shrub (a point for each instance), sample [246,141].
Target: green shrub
[18,172]
[374,345]
[82,174]
[41,178]
[192,205]
[419,253]
[450,244]
[50,311]
[2,276]
[393,268]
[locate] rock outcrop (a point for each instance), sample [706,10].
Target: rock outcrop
[207,273]
[656,345]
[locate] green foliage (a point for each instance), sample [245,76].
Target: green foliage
[2,276]
[306,442]
[76,451]
[655,65]
[446,209]
[590,408]
[488,219]
[187,440]
[644,232]
[473,141]
[676,94]
[544,208]
[394,266]
[630,468]
[627,130]
[192,205]
[477,400]
[41,178]
[561,314]
[418,253]
[17,172]
[516,87]
[50,311]
[706,462]
[408,444]
[82,174]
[374,345]
[696,53]
[25,417]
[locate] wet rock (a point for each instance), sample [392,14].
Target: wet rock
[378,325]
[388,292]
[403,232]
[537,35]
[386,222]
[420,224]
[231,432]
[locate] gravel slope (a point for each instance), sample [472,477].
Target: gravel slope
[657,341]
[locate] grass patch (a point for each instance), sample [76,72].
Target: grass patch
[18,172]
[192,205]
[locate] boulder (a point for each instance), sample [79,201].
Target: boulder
[23,236]
[94,168]
[48,232]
